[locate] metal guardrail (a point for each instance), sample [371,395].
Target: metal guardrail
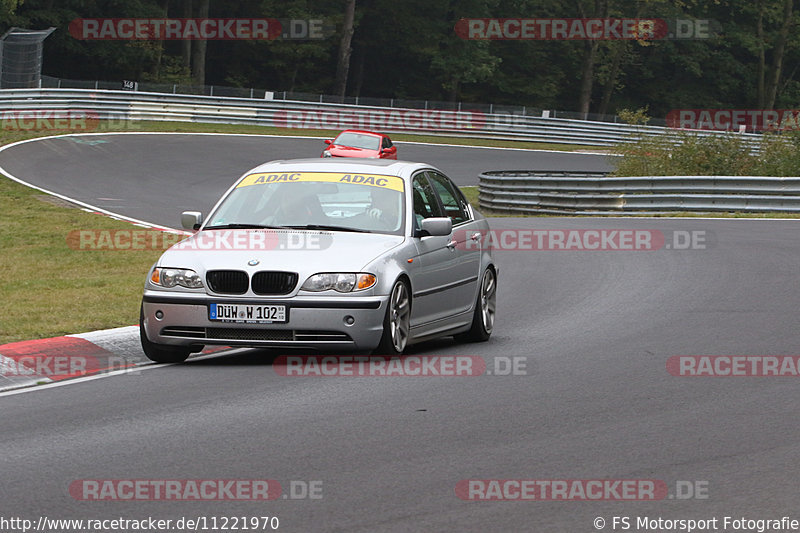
[49,82]
[126,105]
[593,193]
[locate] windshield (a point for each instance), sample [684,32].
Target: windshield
[318,200]
[358,140]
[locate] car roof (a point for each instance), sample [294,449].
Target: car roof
[352,165]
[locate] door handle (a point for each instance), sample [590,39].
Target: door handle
[475,236]
[452,245]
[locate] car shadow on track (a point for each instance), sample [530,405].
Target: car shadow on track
[267,357]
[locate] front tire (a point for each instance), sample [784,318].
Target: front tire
[396,323]
[485,307]
[160,353]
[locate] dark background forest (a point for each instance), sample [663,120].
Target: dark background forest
[409,49]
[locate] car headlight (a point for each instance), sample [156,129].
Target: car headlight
[339,281]
[326,153]
[170,277]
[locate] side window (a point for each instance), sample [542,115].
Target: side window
[425,204]
[455,206]
[387,143]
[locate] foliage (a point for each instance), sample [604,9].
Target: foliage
[684,153]
[410,49]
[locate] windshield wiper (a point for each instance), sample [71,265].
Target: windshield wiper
[329,228]
[243,226]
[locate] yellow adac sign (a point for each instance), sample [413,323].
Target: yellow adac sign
[374,180]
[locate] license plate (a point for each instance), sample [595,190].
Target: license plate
[247,314]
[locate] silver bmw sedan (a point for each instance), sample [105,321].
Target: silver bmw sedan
[333,254]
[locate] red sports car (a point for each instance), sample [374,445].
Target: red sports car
[357,143]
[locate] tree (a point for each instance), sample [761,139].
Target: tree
[767,98]
[599,9]
[199,48]
[343,64]
[186,45]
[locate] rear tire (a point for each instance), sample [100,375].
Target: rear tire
[396,323]
[160,353]
[485,307]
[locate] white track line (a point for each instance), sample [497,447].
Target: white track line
[132,370]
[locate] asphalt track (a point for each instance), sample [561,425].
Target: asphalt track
[596,329]
[154,178]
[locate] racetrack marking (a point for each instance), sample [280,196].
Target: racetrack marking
[135,369]
[138,368]
[72,200]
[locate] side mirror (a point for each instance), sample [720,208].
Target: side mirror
[328,141]
[191,220]
[436,226]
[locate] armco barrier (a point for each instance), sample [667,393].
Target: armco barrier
[127,105]
[592,193]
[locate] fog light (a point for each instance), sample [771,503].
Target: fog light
[159,315]
[349,320]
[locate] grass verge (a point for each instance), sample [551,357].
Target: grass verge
[52,288]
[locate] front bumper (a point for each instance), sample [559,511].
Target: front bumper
[314,322]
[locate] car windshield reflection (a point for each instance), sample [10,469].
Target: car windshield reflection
[311,203]
[358,140]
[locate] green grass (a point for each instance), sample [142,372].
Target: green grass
[48,288]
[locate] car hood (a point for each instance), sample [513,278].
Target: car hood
[350,151]
[301,251]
